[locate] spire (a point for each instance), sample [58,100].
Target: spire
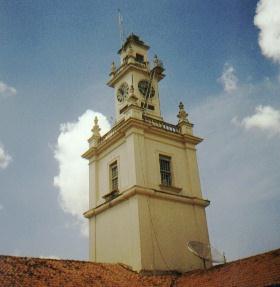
[131,89]
[132,98]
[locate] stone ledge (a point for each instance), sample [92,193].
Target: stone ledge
[170,188]
[126,194]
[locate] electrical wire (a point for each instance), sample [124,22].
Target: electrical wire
[155,236]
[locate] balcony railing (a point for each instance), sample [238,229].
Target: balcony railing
[144,65]
[155,123]
[110,133]
[162,125]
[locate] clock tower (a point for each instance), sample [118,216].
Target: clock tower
[135,71]
[145,201]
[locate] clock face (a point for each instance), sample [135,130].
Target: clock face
[145,89]
[122,92]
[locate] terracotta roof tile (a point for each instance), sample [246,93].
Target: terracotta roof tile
[24,271]
[260,270]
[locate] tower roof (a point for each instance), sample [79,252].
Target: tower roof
[133,39]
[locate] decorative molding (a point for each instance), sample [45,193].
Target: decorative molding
[123,69]
[170,188]
[119,131]
[139,190]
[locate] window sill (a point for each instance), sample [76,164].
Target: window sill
[170,188]
[111,195]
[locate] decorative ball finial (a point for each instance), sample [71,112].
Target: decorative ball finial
[182,115]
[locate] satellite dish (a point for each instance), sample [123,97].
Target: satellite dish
[206,252]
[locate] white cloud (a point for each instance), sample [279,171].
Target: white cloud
[267,19]
[5,158]
[72,180]
[266,118]
[228,79]
[7,91]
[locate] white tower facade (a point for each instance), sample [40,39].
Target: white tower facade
[145,201]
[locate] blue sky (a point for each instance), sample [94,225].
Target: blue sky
[55,58]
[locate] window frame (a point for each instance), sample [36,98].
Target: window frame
[168,181]
[113,186]
[139,58]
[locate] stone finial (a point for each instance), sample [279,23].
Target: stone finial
[132,98]
[94,139]
[131,89]
[157,61]
[96,129]
[113,68]
[130,50]
[182,115]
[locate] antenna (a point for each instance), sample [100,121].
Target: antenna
[121,29]
[206,252]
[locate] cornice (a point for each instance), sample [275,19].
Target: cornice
[188,138]
[90,153]
[124,69]
[139,190]
[125,125]
[133,39]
